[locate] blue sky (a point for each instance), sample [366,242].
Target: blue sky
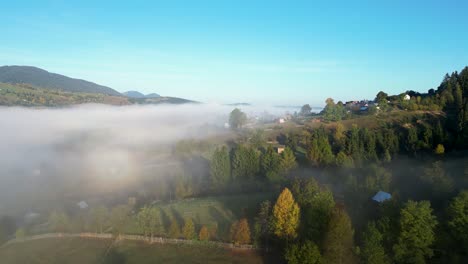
[278,52]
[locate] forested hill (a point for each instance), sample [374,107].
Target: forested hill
[44,79]
[31,86]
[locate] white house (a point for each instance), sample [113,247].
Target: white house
[281,120]
[407,97]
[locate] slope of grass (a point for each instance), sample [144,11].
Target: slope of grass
[217,212]
[79,250]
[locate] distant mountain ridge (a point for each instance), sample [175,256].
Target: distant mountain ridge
[32,86]
[136,94]
[44,79]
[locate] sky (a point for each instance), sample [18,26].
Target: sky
[264,52]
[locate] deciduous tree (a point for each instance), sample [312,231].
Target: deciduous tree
[204,235]
[237,119]
[189,229]
[286,215]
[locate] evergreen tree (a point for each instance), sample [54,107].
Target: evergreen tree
[270,164]
[288,160]
[339,242]
[245,162]
[220,167]
[458,219]
[316,215]
[416,233]
[303,253]
[373,251]
[262,228]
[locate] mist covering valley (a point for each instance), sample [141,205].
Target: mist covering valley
[81,152]
[91,149]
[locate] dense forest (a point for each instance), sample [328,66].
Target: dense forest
[323,176]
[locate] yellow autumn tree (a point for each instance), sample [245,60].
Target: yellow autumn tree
[240,232]
[286,216]
[189,229]
[204,235]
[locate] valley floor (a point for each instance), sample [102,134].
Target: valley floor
[85,250]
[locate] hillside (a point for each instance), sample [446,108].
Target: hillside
[44,79]
[32,96]
[136,94]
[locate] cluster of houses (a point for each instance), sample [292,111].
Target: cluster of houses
[363,105]
[360,106]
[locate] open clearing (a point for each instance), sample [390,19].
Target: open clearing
[81,250]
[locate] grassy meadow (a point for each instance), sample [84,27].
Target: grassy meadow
[79,250]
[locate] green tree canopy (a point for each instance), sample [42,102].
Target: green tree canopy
[288,160]
[458,223]
[220,167]
[416,233]
[237,119]
[373,251]
[305,110]
[303,253]
[339,242]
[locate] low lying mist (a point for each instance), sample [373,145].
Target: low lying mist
[51,154]
[98,148]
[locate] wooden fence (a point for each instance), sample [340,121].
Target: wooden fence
[158,240]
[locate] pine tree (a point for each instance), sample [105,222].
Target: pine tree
[220,167]
[339,242]
[262,226]
[458,223]
[270,164]
[288,160]
[372,247]
[417,233]
[303,253]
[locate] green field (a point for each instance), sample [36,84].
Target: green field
[78,250]
[214,212]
